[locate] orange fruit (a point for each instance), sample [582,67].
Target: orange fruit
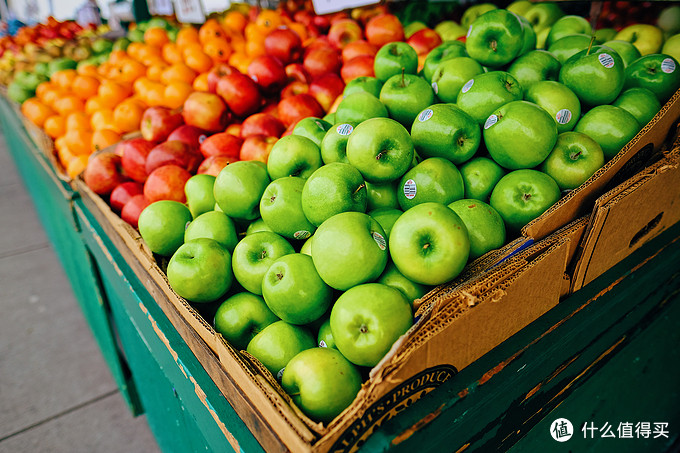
[128,115]
[76,166]
[63,78]
[171,53]
[78,120]
[176,92]
[54,126]
[300,29]
[94,104]
[112,93]
[131,70]
[154,95]
[78,141]
[198,61]
[63,153]
[141,85]
[210,29]
[43,88]
[117,55]
[85,87]
[240,61]
[254,32]
[102,119]
[133,51]
[186,35]
[201,82]
[88,70]
[149,54]
[68,104]
[255,48]
[269,20]
[234,20]
[156,36]
[104,138]
[237,42]
[179,72]
[218,49]
[154,71]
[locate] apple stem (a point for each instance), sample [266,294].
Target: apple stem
[271,200]
[363,328]
[494,45]
[526,196]
[263,254]
[426,246]
[279,275]
[380,155]
[590,46]
[575,156]
[361,186]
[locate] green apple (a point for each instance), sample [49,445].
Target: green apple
[528,37]
[672,47]
[520,134]
[473,12]
[413,27]
[395,279]
[239,187]
[213,225]
[199,193]
[332,189]
[669,20]
[627,51]
[542,37]
[484,93]
[367,319]
[162,225]
[242,316]
[278,343]
[329,118]
[484,225]
[575,158]
[386,218]
[535,66]
[568,46]
[381,195]
[281,208]
[519,7]
[433,180]
[405,95]
[307,246]
[293,155]
[449,30]
[451,75]
[658,73]
[322,382]
[522,195]
[444,130]
[639,102]
[495,38]
[543,15]
[568,25]
[443,52]
[325,336]
[358,107]
[429,244]
[394,58]
[312,128]
[558,100]
[349,248]
[647,38]
[610,126]
[602,35]
[256,226]
[334,143]
[362,84]
[595,75]
[200,270]
[480,176]
[381,149]
[254,254]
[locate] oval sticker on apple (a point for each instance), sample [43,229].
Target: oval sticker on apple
[563,116]
[302,234]
[201,138]
[322,344]
[469,30]
[380,240]
[345,129]
[425,115]
[410,189]
[280,373]
[668,65]
[435,87]
[490,121]
[606,60]
[468,85]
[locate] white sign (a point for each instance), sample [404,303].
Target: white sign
[333,6]
[189,11]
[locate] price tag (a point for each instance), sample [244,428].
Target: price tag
[189,11]
[333,6]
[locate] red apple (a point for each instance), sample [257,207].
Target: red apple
[358,67]
[158,122]
[384,28]
[297,72]
[123,192]
[234,129]
[206,111]
[271,107]
[190,135]
[294,88]
[257,147]
[103,173]
[240,93]
[322,61]
[358,48]
[173,153]
[326,88]
[294,108]
[343,32]
[166,183]
[262,124]
[133,208]
[222,144]
[424,40]
[304,17]
[321,42]
[284,44]
[216,73]
[213,165]
[133,154]
[268,73]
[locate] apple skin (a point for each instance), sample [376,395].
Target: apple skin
[574,159]
[123,193]
[322,60]
[312,128]
[381,195]
[257,148]
[322,383]
[381,149]
[205,111]
[213,225]
[368,84]
[175,153]
[278,343]
[162,225]
[639,102]
[384,28]
[429,244]
[610,126]
[543,15]
[293,155]
[672,47]
[241,94]
[344,32]
[451,75]
[254,254]
[395,279]
[424,40]
[558,100]
[256,226]
[166,183]
[358,48]
[334,143]
[647,38]
[239,187]
[484,224]
[199,194]
[159,122]
[480,176]
[626,50]
[449,30]
[444,130]
[349,249]
[393,58]
[358,107]
[213,165]
[294,291]
[293,109]
[133,154]
[405,95]
[495,38]
[364,332]
[242,316]
[588,77]
[200,270]
[522,195]
[568,25]
[268,73]
[443,52]
[568,46]
[133,209]
[334,188]
[361,66]
[262,124]
[221,144]
[535,66]
[487,92]
[103,173]
[521,135]
[473,12]
[281,208]
[327,87]
[433,180]
[284,44]
[658,73]
[324,337]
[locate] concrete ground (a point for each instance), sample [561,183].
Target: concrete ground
[56,391]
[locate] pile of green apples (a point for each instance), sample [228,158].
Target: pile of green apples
[316,257]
